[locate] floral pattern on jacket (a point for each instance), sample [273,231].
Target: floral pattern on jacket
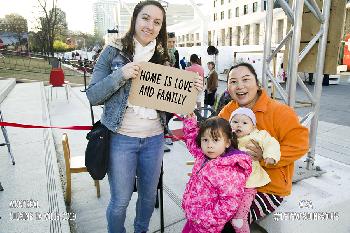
[213,193]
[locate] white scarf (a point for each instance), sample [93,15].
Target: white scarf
[144,54]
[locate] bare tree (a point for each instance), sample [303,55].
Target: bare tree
[49,23]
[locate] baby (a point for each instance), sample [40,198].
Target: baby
[243,123]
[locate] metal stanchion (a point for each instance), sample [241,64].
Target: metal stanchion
[84,80]
[7,141]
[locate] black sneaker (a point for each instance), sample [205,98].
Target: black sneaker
[166,149]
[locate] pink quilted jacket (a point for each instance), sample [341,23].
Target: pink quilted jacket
[213,193]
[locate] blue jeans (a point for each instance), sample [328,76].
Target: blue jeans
[130,157]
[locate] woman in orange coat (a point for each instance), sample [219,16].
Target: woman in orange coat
[281,122]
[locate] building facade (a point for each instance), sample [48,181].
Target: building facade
[232,23]
[243,23]
[104,15]
[117,15]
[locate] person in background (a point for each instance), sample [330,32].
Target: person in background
[224,99]
[183,63]
[173,62]
[197,68]
[211,87]
[137,133]
[173,53]
[281,122]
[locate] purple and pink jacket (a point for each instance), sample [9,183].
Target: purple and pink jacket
[213,193]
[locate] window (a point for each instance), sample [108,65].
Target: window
[237,11]
[256,33]
[222,2]
[197,36]
[230,36]
[214,3]
[223,38]
[222,15]
[246,34]
[255,7]
[229,14]
[215,16]
[238,36]
[280,24]
[245,9]
[209,38]
[265,5]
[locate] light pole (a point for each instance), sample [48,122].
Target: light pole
[84,46]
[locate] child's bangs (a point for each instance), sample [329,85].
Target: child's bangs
[215,132]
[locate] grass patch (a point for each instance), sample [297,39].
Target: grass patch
[25,69]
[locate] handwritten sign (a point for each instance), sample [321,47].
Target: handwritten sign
[164,88]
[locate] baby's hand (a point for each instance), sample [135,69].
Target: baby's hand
[269,161]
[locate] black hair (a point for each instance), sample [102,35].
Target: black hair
[171,34]
[194,58]
[218,126]
[247,65]
[161,40]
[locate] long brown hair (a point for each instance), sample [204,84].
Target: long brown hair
[161,40]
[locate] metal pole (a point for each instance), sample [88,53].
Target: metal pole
[84,80]
[161,202]
[267,47]
[294,51]
[318,82]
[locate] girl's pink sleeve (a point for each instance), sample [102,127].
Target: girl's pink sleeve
[190,133]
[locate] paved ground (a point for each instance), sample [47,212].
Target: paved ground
[30,178]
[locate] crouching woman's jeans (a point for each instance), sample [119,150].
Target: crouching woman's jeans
[131,156]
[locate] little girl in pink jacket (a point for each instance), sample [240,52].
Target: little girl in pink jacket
[216,186]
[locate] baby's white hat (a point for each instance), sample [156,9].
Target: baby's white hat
[244,111]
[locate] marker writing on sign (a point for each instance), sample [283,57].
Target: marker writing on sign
[150,77]
[169,96]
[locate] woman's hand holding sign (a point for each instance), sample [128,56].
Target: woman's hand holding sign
[198,83]
[130,70]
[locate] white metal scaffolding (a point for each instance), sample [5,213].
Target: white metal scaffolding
[294,15]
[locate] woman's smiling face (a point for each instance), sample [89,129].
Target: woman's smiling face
[242,86]
[148,24]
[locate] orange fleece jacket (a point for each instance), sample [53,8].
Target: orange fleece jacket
[282,123]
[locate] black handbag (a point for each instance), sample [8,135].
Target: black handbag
[97,151]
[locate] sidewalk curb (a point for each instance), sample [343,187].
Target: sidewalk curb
[54,188]
[7,88]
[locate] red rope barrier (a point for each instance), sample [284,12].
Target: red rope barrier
[11,124]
